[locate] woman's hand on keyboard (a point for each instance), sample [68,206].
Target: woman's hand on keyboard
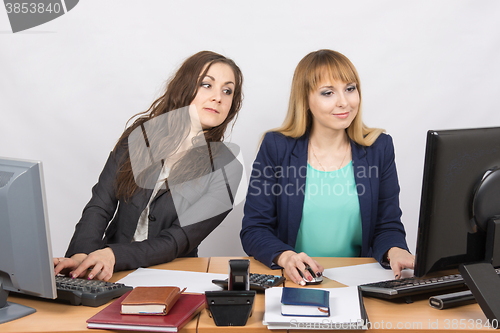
[68,265]
[400,259]
[102,262]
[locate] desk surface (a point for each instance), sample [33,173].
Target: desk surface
[58,317]
[383,315]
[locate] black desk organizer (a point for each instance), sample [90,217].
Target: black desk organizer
[233,307]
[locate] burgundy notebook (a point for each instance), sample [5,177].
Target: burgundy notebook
[181,313]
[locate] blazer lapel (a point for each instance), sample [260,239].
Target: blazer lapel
[141,198]
[297,180]
[363,187]
[163,189]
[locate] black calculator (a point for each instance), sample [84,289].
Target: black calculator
[258,282]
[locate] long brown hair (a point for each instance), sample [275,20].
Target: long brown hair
[308,74]
[180,91]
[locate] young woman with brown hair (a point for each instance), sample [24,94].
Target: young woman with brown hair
[165,185]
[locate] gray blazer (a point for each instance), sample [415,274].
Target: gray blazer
[180,217]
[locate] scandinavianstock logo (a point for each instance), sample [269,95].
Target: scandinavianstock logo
[26,14]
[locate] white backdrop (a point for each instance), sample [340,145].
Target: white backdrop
[68,87]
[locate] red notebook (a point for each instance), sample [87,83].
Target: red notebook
[183,311]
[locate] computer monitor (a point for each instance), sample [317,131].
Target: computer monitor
[26,264]
[455,163]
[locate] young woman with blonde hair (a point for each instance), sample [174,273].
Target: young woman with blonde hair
[324,184]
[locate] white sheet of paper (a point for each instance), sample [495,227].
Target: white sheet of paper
[362,274]
[344,309]
[194,282]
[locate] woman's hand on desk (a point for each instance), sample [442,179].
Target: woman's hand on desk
[102,263]
[291,261]
[399,259]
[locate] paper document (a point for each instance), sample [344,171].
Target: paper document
[194,282]
[362,274]
[345,312]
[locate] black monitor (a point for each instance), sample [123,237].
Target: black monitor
[26,264]
[459,225]
[455,163]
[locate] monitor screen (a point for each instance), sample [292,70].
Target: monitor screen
[26,264]
[455,163]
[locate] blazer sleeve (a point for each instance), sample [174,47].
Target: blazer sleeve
[389,231]
[196,220]
[261,221]
[89,231]
[171,243]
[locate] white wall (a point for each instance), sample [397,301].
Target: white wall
[68,87]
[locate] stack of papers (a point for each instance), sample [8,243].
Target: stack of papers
[345,312]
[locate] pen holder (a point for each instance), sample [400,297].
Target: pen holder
[230,307]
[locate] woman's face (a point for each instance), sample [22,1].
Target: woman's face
[334,104]
[215,95]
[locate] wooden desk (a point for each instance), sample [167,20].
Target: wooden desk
[384,316]
[58,317]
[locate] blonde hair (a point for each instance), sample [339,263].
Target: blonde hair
[309,73]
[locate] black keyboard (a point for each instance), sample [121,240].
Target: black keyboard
[88,292]
[413,286]
[258,282]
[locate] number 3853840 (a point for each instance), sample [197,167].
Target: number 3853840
[32,7]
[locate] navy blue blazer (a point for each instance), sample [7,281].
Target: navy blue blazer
[275,198]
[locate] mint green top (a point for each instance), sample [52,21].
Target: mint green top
[331,217]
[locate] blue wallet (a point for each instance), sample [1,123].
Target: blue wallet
[305,302]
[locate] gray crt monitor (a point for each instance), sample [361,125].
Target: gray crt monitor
[26,264]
